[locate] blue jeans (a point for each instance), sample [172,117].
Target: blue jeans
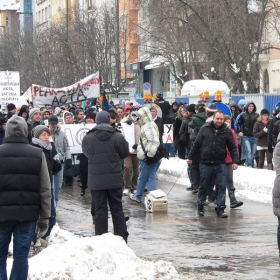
[170,149]
[22,233]
[57,183]
[147,175]
[208,173]
[250,144]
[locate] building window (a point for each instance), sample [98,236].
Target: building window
[123,22]
[7,21]
[266,81]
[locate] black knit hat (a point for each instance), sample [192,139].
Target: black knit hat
[264,111]
[2,121]
[191,108]
[90,115]
[11,107]
[53,119]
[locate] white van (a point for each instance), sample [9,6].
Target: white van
[195,87]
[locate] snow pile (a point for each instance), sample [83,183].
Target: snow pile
[255,184]
[99,257]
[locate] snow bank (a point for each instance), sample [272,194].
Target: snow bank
[252,183]
[69,256]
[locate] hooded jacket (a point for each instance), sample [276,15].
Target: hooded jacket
[234,113]
[104,147]
[276,188]
[198,120]
[247,121]
[25,183]
[61,143]
[149,134]
[164,106]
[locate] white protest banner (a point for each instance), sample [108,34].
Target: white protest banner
[9,87]
[167,136]
[76,132]
[87,88]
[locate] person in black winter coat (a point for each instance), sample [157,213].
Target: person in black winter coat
[273,128]
[212,140]
[25,196]
[245,127]
[40,139]
[3,122]
[24,112]
[163,104]
[105,147]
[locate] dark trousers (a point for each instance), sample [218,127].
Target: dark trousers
[113,197]
[196,171]
[83,170]
[208,174]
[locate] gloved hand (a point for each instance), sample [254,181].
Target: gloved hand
[265,129]
[135,146]
[269,148]
[42,227]
[68,163]
[129,122]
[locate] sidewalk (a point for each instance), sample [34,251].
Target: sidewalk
[252,183]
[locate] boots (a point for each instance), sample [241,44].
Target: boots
[233,202]
[200,210]
[270,166]
[221,213]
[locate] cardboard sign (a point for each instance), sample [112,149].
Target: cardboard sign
[167,137]
[76,132]
[87,88]
[9,87]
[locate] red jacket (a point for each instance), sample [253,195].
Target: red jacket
[228,157]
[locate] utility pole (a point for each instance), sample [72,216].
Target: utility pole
[118,62]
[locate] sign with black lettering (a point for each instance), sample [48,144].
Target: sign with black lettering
[9,87]
[167,136]
[87,88]
[76,132]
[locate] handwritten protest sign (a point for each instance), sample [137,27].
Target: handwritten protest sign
[76,132]
[9,87]
[167,137]
[87,88]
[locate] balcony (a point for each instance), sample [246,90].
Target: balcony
[135,5]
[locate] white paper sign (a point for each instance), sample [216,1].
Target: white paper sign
[87,88]
[9,87]
[167,136]
[76,132]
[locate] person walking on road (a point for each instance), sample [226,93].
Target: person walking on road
[105,147]
[25,197]
[212,140]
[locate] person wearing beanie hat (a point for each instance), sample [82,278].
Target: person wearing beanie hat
[260,131]
[164,106]
[191,108]
[90,117]
[102,117]
[3,122]
[241,104]
[53,120]
[41,139]
[33,120]
[105,147]
[11,107]
[245,125]
[25,199]
[45,114]
[24,112]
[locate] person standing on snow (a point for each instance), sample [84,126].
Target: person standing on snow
[246,124]
[25,196]
[150,141]
[211,142]
[105,147]
[63,150]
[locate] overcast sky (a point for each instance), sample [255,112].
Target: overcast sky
[6,2]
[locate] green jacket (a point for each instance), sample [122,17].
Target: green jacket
[198,120]
[185,126]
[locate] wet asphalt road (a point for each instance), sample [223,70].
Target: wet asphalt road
[243,246]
